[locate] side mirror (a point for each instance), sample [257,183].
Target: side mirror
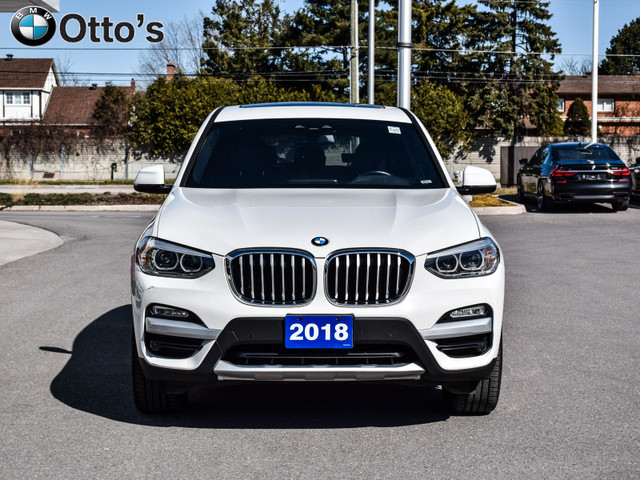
[476,180]
[523,161]
[151,180]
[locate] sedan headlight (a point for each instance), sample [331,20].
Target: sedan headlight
[474,259]
[166,259]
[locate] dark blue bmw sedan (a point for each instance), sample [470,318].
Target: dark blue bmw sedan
[575,172]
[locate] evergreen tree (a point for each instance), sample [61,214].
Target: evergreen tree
[441,31]
[512,86]
[112,112]
[325,24]
[578,122]
[626,42]
[234,35]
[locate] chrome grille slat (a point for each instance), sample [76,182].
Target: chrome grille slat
[293,278]
[386,296]
[272,277]
[304,280]
[272,266]
[282,278]
[377,290]
[367,274]
[368,277]
[242,276]
[346,280]
[262,287]
[253,284]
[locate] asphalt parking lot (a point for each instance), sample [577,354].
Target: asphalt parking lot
[569,409]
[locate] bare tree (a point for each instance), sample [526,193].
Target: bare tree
[576,66]
[182,46]
[67,77]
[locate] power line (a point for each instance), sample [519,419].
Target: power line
[333,47]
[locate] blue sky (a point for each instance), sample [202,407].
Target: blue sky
[572,22]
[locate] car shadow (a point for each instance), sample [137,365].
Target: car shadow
[97,380]
[565,208]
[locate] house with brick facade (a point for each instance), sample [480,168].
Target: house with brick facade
[618,107]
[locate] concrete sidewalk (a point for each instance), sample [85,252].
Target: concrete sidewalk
[18,241]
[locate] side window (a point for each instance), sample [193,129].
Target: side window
[543,155]
[535,159]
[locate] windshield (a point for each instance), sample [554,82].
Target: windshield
[321,153]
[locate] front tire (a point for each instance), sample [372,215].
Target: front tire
[483,399]
[151,396]
[521,197]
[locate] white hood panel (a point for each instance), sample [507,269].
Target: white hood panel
[220,221]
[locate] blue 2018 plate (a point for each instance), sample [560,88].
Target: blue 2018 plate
[318,331]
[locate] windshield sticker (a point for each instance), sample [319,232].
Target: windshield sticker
[394,130]
[425,182]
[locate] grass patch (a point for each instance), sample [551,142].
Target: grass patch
[488,200]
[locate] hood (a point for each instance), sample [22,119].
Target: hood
[220,221]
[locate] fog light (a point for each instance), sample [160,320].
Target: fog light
[169,312]
[475,311]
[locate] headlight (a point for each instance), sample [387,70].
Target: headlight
[165,259]
[474,259]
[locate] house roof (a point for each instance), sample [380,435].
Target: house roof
[610,85]
[27,73]
[74,105]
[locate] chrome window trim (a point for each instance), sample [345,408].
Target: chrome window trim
[270,251]
[380,251]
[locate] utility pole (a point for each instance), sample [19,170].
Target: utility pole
[371,53]
[354,94]
[404,53]
[594,73]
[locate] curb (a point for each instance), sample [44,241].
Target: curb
[81,208]
[514,210]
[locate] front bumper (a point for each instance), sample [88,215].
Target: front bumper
[390,335]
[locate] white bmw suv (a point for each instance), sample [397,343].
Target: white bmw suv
[316,242]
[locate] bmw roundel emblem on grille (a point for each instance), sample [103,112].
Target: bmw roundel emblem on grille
[320,241]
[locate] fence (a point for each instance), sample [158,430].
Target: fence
[88,161]
[92,161]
